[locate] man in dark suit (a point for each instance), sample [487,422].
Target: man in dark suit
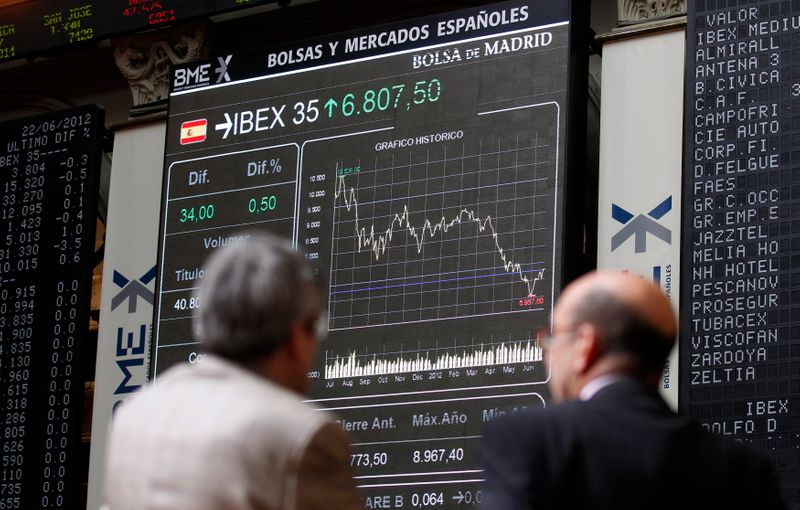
[612,442]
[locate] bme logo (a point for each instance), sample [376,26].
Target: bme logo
[192,76]
[201,75]
[131,341]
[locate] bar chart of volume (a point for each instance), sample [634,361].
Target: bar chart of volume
[433,359]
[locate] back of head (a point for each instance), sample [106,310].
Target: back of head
[253,292]
[630,315]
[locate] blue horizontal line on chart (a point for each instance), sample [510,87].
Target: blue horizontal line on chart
[431,308]
[357,297]
[428,275]
[423,282]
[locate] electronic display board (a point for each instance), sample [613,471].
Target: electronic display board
[35,26]
[740,342]
[421,166]
[49,174]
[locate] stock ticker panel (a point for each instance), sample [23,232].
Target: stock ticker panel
[49,173]
[32,27]
[420,167]
[740,348]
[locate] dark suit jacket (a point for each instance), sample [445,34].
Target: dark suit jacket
[622,449]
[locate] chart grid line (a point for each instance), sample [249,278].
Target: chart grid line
[386,237]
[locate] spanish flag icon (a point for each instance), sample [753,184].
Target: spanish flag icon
[193,131]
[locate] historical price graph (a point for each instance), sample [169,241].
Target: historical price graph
[456,230]
[421,168]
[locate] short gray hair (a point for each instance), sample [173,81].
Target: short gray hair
[253,291]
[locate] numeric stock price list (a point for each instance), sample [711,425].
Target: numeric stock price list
[37,26]
[49,168]
[740,343]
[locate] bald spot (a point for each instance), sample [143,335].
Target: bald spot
[644,298]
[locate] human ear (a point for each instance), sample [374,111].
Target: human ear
[294,346]
[587,348]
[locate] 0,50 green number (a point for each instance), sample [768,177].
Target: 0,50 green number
[204,212]
[264,205]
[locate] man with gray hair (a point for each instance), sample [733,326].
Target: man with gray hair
[232,432]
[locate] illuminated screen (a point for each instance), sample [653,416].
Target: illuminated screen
[37,26]
[741,251]
[49,173]
[420,167]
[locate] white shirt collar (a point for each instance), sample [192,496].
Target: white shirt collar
[592,387]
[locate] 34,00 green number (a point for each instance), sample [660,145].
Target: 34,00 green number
[197,214]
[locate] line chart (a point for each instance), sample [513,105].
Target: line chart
[377,243]
[442,231]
